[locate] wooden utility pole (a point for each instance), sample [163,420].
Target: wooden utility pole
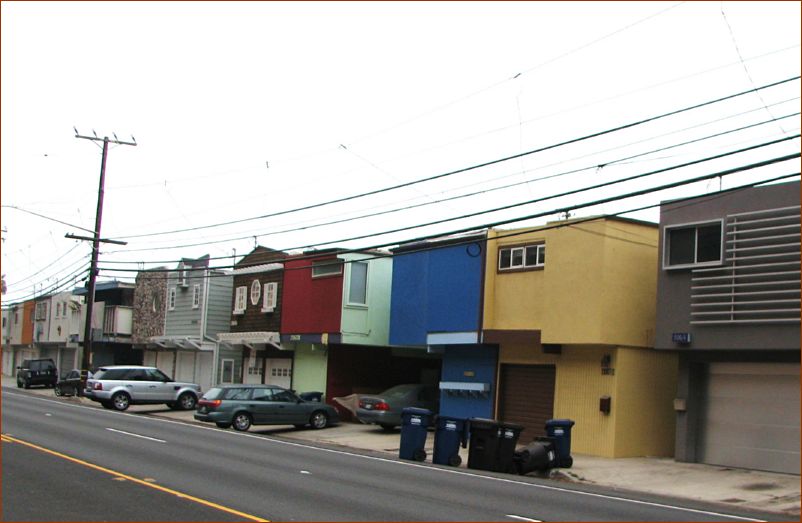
[86,358]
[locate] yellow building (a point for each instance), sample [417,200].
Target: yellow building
[575,333]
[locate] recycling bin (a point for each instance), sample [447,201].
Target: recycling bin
[450,434]
[414,423]
[560,431]
[483,445]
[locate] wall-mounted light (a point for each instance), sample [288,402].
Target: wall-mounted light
[605,403]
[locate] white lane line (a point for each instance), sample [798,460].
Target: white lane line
[521,518]
[393,461]
[135,435]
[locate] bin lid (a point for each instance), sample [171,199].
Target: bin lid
[416,411]
[513,426]
[560,423]
[483,423]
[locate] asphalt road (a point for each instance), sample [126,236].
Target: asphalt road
[184,472]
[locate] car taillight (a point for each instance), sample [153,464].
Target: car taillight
[98,386]
[381,406]
[361,404]
[210,403]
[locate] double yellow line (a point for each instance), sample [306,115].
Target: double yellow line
[9,439]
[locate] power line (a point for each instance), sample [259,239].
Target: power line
[473,167]
[45,217]
[461,196]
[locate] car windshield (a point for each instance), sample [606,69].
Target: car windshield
[398,392]
[213,393]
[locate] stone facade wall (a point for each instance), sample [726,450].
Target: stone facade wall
[150,298]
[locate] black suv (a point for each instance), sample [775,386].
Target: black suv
[37,372]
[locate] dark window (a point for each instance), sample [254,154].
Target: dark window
[262,394]
[283,395]
[237,394]
[111,374]
[693,245]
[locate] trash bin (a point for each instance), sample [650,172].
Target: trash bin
[508,434]
[539,455]
[450,433]
[483,445]
[414,423]
[560,431]
[311,396]
[492,444]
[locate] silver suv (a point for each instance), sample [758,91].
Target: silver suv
[118,387]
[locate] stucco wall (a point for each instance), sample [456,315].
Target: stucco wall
[368,325]
[309,367]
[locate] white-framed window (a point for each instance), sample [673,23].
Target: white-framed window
[326,268]
[256,292]
[227,371]
[693,245]
[41,311]
[182,276]
[58,309]
[240,300]
[271,297]
[523,257]
[196,292]
[358,283]
[171,298]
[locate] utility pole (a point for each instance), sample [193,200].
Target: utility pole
[86,358]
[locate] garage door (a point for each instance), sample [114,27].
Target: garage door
[527,397]
[750,416]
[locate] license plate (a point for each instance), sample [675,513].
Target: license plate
[202,410]
[368,407]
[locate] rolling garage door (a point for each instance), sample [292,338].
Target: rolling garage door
[527,398]
[750,416]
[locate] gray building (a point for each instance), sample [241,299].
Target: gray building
[195,309]
[729,304]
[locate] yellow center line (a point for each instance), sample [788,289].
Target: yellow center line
[120,475]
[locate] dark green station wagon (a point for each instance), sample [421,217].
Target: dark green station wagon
[241,406]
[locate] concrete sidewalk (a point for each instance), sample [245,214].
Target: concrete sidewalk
[748,489]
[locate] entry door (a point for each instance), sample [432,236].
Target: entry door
[279,372]
[527,398]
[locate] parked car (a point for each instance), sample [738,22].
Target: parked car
[71,384]
[241,406]
[385,409]
[119,386]
[40,371]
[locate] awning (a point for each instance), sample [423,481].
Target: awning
[252,340]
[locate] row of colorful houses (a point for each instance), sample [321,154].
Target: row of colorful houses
[679,339]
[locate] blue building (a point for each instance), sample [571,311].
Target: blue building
[437,302]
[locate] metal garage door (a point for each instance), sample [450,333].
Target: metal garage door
[527,397]
[750,416]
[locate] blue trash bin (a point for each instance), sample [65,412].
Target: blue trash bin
[449,434]
[414,423]
[559,430]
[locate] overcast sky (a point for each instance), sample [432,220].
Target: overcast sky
[241,110]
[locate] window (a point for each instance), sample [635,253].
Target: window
[524,257]
[262,394]
[327,268]
[271,297]
[692,245]
[196,290]
[358,285]
[256,292]
[41,311]
[240,300]
[227,371]
[58,309]
[171,298]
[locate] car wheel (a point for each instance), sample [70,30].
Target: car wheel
[26,384]
[222,425]
[19,383]
[107,404]
[57,390]
[121,401]
[319,420]
[242,421]
[187,401]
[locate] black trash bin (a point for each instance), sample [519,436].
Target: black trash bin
[483,445]
[560,431]
[539,455]
[450,433]
[508,434]
[414,423]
